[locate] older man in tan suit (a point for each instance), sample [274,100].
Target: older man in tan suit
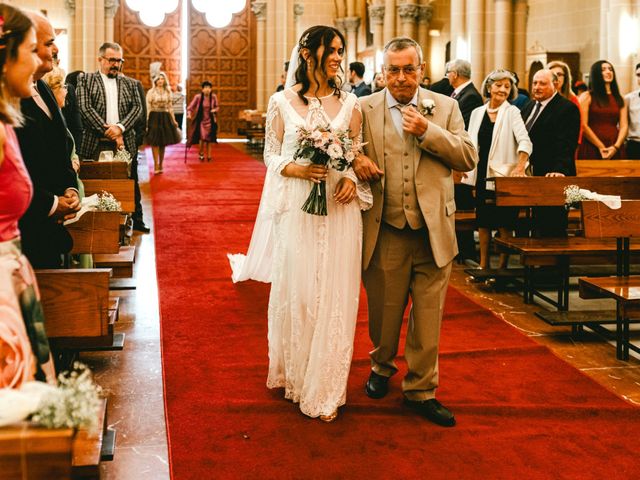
[415,138]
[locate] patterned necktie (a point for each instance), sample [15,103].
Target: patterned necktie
[533,117]
[454,94]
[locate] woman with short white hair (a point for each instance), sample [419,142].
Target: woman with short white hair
[498,132]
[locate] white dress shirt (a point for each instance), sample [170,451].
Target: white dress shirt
[111,98]
[457,91]
[543,104]
[395,110]
[633,100]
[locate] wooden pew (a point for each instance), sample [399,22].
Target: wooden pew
[608,168]
[103,170]
[560,253]
[602,222]
[79,315]
[96,232]
[121,189]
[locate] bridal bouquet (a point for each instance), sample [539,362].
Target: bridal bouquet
[331,148]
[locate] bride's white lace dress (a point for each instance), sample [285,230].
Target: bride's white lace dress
[313,262]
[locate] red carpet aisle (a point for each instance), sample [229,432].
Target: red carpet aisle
[522,412]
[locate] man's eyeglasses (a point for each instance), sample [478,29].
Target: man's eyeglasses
[408,70]
[114,60]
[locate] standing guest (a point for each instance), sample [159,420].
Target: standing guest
[162,128]
[24,347]
[604,115]
[563,85]
[202,113]
[499,134]
[579,87]
[632,101]
[283,77]
[356,78]
[314,265]
[464,91]
[177,100]
[409,233]
[523,95]
[553,123]
[110,106]
[443,85]
[46,148]
[378,82]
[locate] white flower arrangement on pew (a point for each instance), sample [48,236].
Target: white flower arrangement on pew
[122,155]
[573,195]
[75,403]
[107,203]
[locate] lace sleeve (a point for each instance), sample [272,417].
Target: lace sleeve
[274,132]
[363,190]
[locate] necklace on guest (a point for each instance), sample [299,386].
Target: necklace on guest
[492,110]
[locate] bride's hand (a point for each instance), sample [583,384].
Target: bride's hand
[345,191]
[312,172]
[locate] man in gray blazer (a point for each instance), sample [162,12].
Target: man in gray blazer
[110,106]
[414,139]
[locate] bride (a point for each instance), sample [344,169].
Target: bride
[312,262]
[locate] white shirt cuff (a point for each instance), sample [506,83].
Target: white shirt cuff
[55,205]
[121,127]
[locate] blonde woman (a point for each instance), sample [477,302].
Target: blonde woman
[499,134]
[162,128]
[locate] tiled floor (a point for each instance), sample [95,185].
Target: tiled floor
[133,377]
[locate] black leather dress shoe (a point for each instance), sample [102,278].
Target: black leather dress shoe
[432,410]
[141,227]
[377,386]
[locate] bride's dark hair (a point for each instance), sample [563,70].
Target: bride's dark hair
[312,39]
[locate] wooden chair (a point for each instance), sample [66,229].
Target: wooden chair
[602,222]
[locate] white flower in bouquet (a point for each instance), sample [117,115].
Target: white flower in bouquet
[335,151]
[122,156]
[573,195]
[108,203]
[74,404]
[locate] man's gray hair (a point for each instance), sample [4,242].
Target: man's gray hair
[461,67]
[546,71]
[107,45]
[401,43]
[496,76]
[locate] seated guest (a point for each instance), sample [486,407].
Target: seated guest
[553,123]
[356,78]
[499,134]
[46,149]
[632,101]
[24,348]
[604,115]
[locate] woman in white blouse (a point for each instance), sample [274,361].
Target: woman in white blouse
[499,134]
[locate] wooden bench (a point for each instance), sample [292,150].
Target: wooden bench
[602,222]
[608,168]
[103,170]
[34,453]
[96,232]
[564,252]
[79,314]
[121,189]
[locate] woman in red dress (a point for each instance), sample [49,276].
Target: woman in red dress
[604,115]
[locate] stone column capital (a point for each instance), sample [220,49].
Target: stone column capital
[298,10]
[259,8]
[110,7]
[70,6]
[408,12]
[351,24]
[376,14]
[425,14]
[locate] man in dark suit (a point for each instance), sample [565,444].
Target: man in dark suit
[553,123]
[467,95]
[46,147]
[110,106]
[356,73]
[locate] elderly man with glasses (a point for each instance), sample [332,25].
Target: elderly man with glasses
[414,139]
[110,106]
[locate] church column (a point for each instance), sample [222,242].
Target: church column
[457,26]
[408,13]
[520,39]
[259,9]
[376,15]
[298,11]
[389,20]
[75,43]
[110,8]
[425,14]
[503,53]
[475,30]
[351,25]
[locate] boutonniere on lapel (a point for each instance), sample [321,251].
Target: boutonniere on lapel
[427,107]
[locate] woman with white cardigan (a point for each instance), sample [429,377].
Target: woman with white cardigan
[503,144]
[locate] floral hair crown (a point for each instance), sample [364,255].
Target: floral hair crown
[4,34]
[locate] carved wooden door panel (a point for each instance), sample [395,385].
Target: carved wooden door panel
[143,45]
[227,58]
